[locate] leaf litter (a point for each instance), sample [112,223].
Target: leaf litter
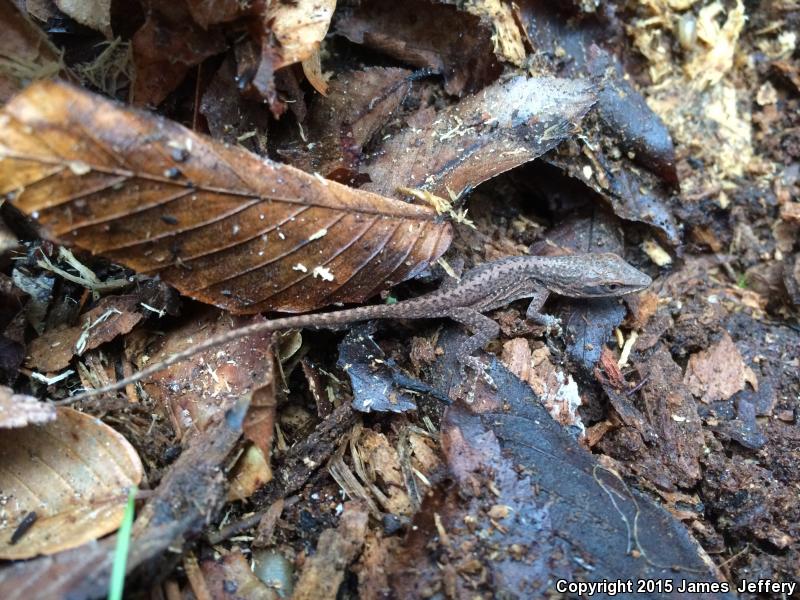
[552,130]
[95,467]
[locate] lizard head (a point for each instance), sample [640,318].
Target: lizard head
[599,275]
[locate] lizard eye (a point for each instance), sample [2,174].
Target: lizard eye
[613,287]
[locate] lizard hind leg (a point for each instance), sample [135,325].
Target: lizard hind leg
[483,330]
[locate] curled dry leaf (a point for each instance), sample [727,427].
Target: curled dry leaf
[95,14]
[501,127]
[19,410]
[297,28]
[72,474]
[290,32]
[220,224]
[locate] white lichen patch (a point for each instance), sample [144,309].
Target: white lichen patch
[319,234]
[323,273]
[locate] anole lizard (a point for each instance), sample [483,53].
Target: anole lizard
[482,289]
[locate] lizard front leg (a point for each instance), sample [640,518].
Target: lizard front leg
[483,330]
[533,313]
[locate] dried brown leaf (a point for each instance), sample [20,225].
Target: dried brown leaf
[231,578]
[164,49]
[501,127]
[231,117]
[19,410]
[73,473]
[718,372]
[357,105]
[220,224]
[113,316]
[25,51]
[436,40]
[212,12]
[196,391]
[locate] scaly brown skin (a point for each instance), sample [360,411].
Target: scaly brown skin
[482,289]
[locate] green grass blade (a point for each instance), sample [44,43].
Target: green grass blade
[117,583]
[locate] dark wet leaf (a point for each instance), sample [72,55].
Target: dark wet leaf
[670,460]
[374,387]
[633,194]
[40,291]
[232,118]
[623,118]
[526,499]
[744,428]
[11,356]
[590,324]
[594,230]
[591,43]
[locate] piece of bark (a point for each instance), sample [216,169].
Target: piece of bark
[20,410]
[336,549]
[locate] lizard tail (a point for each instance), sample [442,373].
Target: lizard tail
[339,317]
